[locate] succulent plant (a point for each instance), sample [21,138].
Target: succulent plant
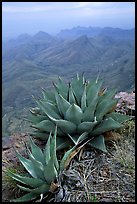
[80,109]
[42,170]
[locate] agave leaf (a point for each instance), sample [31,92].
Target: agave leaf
[47,151]
[35,111]
[53,149]
[51,107]
[82,137]
[50,171]
[84,100]
[76,139]
[118,117]
[38,166]
[106,125]
[64,125]
[104,107]
[77,76]
[74,114]
[70,154]
[51,104]
[33,182]
[36,152]
[62,88]
[49,96]
[64,161]
[62,104]
[27,197]
[98,143]
[89,112]
[36,118]
[109,94]
[47,108]
[27,164]
[63,143]
[86,126]
[78,88]
[25,188]
[68,157]
[44,188]
[102,92]
[44,125]
[93,89]
[71,95]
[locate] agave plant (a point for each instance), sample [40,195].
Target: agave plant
[80,109]
[42,170]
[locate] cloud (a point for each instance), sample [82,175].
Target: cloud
[27,7]
[13,9]
[89,4]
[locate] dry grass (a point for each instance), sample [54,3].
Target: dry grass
[98,177]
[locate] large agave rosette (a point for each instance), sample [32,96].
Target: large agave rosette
[80,109]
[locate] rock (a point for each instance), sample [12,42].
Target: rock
[9,159]
[126,103]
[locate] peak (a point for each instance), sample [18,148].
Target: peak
[83,38]
[42,34]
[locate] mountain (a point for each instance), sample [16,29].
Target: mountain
[42,36]
[117,33]
[32,62]
[78,51]
[25,46]
[20,40]
[78,31]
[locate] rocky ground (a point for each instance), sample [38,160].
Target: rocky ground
[92,176]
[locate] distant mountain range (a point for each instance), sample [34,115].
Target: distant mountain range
[117,33]
[32,62]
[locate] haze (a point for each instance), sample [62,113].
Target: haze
[51,17]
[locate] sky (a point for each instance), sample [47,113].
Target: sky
[51,17]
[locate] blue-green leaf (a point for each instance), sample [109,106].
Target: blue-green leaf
[37,152]
[53,149]
[50,171]
[27,164]
[44,188]
[74,114]
[33,182]
[98,143]
[86,126]
[106,125]
[47,150]
[119,117]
